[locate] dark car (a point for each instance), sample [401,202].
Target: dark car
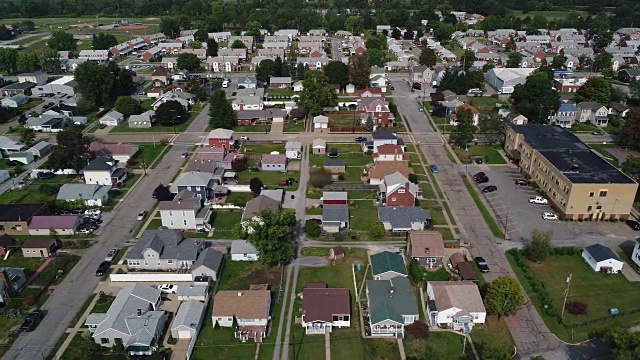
[361,139]
[46,175]
[333,153]
[481,180]
[12,163]
[479,175]
[417,86]
[490,188]
[32,321]
[633,224]
[521,182]
[102,268]
[482,264]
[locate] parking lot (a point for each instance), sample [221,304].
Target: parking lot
[511,204]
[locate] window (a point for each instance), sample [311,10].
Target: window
[170,213]
[589,208]
[104,341]
[170,222]
[599,207]
[401,191]
[184,222]
[393,199]
[603,193]
[169,261]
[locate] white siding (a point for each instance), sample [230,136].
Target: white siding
[244,257]
[97,177]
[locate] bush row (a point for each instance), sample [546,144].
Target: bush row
[536,284]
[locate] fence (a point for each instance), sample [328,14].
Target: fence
[334,187]
[225,206]
[238,188]
[357,129]
[262,142]
[151,277]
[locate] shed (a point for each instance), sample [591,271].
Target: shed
[188,320]
[466,272]
[335,166]
[193,292]
[4,175]
[293,149]
[24,157]
[208,264]
[242,250]
[40,149]
[387,265]
[320,122]
[319,147]
[602,258]
[336,253]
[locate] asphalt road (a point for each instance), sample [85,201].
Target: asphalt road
[336,49]
[80,283]
[603,138]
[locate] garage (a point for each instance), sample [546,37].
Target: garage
[188,320]
[185,334]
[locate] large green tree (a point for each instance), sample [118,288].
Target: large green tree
[127,105]
[539,246]
[624,344]
[95,82]
[536,99]
[169,26]
[104,41]
[317,92]
[631,166]
[265,69]
[595,89]
[212,47]
[238,44]
[29,61]
[467,59]
[50,60]
[271,233]
[374,57]
[629,134]
[337,72]
[8,60]
[428,57]
[62,41]
[221,114]
[359,71]
[354,24]
[188,61]
[72,151]
[465,130]
[558,62]
[504,296]
[514,60]
[376,42]
[170,113]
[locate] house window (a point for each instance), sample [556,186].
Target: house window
[170,213]
[169,261]
[589,208]
[598,207]
[104,341]
[401,191]
[393,199]
[603,193]
[170,222]
[184,222]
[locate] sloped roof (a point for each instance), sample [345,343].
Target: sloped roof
[600,252]
[386,261]
[274,159]
[53,222]
[257,204]
[390,300]
[194,178]
[242,247]
[220,133]
[320,304]
[335,213]
[243,304]
[402,217]
[189,315]
[209,258]
[101,163]
[82,191]
[426,244]
[168,243]
[457,294]
[384,168]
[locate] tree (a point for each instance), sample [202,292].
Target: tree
[212,47]
[536,99]
[188,61]
[515,60]
[255,185]
[238,44]
[359,71]
[368,124]
[27,135]
[442,31]
[72,151]
[395,33]
[270,232]
[602,62]
[94,82]
[377,230]
[504,296]
[376,42]
[319,177]
[201,35]
[577,308]
[5,33]
[416,273]
[465,130]
[428,57]
[169,26]
[624,344]
[50,60]
[495,127]
[337,72]
[265,69]
[8,60]
[316,93]
[539,246]
[418,330]
[467,59]
[221,114]
[104,41]
[311,229]
[495,351]
[127,105]
[595,89]
[162,193]
[558,62]
[353,24]
[196,44]
[29,61]
[374,57]
[408,34]
[631,166]
[277,69]
[629,134]
[62,41]
[170,113]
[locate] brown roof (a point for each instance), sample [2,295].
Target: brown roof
[254,206]
[160,71]
[338,250]
[6,241]
[274,159]
[470,108]
[389,149]
[457,258]
[426,244]
[384,168]
[243,304]
[38,243]
[459,294]
[320,304]
[466,271]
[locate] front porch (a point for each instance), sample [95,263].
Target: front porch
[256,333]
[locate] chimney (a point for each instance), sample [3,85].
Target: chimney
[139,312]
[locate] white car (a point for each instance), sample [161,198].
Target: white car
[548,215]
[475,91]
[93,212]
[111,255]
[244,138]
[225,84]
[168,288]
[141,215]
[84,232]
[538,200]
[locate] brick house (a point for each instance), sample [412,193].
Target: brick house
[378,110]
[221,138]
[397,190]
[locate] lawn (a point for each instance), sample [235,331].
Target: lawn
[239,198]
[583,127]
[437,212]
[146,104]
[550,15]
[123,127]
[279,93]
[439,345]
[237,275]
[30,194]
[79,348]
[362,194]
[311,251]
[293,126]
[599,291]
[253,128]
[363,214]
[16,259]
[220,343]
[496,230]
[268,178]
[427,190]
[148,155]
[343,120]
[488,152]
[495,333]
[103,306]
[223,222]
[350,159]
[262,149]
[436,119]
[484,103]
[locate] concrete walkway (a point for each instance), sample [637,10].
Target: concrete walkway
[74,330]
[257,351]
[403,355]
[327,346]
[276,128]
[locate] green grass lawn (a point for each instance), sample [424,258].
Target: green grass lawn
[238,198]
[439,345]
[363,214]
[343,120]
[253,128]
[495,333]
[381,349]
[362,194]
[489,152]
[496,230]
[79,348]
[583,127]
[220,343]
[599,291]
[103,306]
[262,149]
[350,159]
[437,212]
[269,178]
[427,190]
[16,259]
[311,251]
[293,126]
[484,103]
[436,119]
[146,104]
[29,194]
[274,93]
[224,223]
[148,155]
[550,15]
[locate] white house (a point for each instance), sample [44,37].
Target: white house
[14,101]
[250,309]
[324,308]
[320,122]
[104,170]
[635,255]
[188,320]
[37,77]
[112,118]
[89,194]
[602,258]
[184,212]
[293,149]
[454,304]
[242,250]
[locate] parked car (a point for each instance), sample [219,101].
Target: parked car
[168,288]
[84,231]
[490,188]
[417,86]
[479,175]
[482,264]
[102,268]
[93,212]
[12,163]
[548,215]
[522,182]
[633,224]
[481,180]
[102,126]
[141,215]
[538,200]
[46,175]
[111,254]
[361,139]
[474,91]
[597,133]
[434,169]
[32,321]
[333,153]
[244,138]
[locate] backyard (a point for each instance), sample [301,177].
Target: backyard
[343,120]
[257,128]
[148,155]
[351,154]
[490,153]
[224,222]
[123,127]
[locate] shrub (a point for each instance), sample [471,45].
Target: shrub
[29,301]
[418,330]
[338,237]
[577,308]
[312,229]
[415,271]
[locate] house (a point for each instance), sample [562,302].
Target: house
[164,249]
[142,121]
[320,122]
[392,305]
[112,118]
[595,113]
[169,63]
[324,309]
[193,292]
[387,265]
[242,250]
[319,146]
[87,194]
[48,122]
[160,76]
[134,320]
[220,36]
[210,159]
[188,319]
[293,149]
[454,305]
[247,82]
[382,137]
[335,166]
[628,75]
[335,217]
[150,54]
[14,101]
[297,86]
[23,88]
[6,243]
[334,198]
[377,109]
[336,253]
[14,218]
[404,218]
[258,204]
[37,77]
[426,247]
[602,259]
[185,212]
[249,309]
[199,183]
[104,170]
[505,78]
[397,190]
[40,149]
[517,119]
[273,162]
[280,82]
[223,63]
[475,115]
[314,63]
[209,263]
[66,85]
[251,117]
[25,157]
[8,146]
[275,194]
[221,138]
[4,175]
[381,169]
[390,152]
[184,98]
[94,55]
[618,109]
[11,282]
[51,225]
[120,152]
[565,116]
[39,247]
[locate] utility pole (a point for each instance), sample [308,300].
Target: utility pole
[566,294]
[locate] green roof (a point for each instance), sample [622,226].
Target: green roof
[387,261]
[387,305]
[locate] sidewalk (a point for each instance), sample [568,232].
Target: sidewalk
[73,331]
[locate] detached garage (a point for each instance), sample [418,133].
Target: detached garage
[188,320]
[602,258]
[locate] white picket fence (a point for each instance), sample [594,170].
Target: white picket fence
[238,188]
[151,277]
[225,206]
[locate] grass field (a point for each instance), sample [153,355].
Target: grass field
[262,149]
[439,345]
[495,333]
[363,214]
[253,128]
[148,155]
[550,15]
[488,152]
[224,222]
[293,126]
[342,120]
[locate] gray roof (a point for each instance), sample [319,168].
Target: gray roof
[335,195]
[390,300]
[40,145]
[257,204]
[242,247]
[168,243]
[192,290]
[184,200]
[335,212]
[294,145]
[275,194]
[193,178]
[383,135]
[334,163]
[402,217]
[114,115]
[82,191]
[209,258]
[101,163]
[189,315]
[319,143]
[601,253]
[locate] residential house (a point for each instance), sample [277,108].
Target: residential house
[40,247]
[258,204]
[112,118]
[297,86]
[150,54]
[48,123]
[404,218]
[169,63]
[208,264]
[248,82]
[240,54]
[320,122]
[242,250]
[314,63]
[381,137]
[397,190]
[273,162]
[52,225]
[334,198]
[221,138]
[517,119]
[220,36]
[280,82]
[455,305]
[24,157]
[188,320]
[635,255]
[565,116]
[475,115]
[387,265]
[378,110]
[12,281]
[567,82]
[381,169]
[293,149]
[618,109]
[201,184]
[142,121]
[246,40]
[629,74]
[194,292]
[184,98]
[155,38]
[86,194]
[324,309]
[164,250]
[335,217]
[266,116]
[120,152]
[212,159]
[133,320]
[426,247]
[66,85]
[222,63]
[94,55]
[37,77]
[319,147]
[370,92]
[6,243]
[160,76]
[8,146]
[335,166]
[4,175]
[248,99]
[272,54]
[14,101]
[14,218]
[104,170]
[390,152]
[602,259]
[392,306]
[249,309]
[170,47]
[40,149]
[185,212]
[595,113]
[23,88]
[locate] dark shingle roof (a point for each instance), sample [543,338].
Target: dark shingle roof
[401,217]
[101,163]
[19,212]
[335,212]
[166,242]
[210,258]
[387,261]
[600,252]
